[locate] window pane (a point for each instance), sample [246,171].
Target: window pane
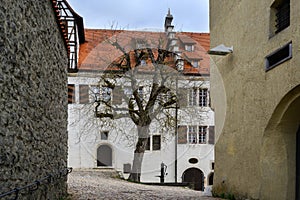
[283,16]
[83,94]
[192,135]
[192,97]
[156,142]
[202,134]
[104,135]
[106,94]
[203,97]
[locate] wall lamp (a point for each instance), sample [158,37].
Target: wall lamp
[221,50]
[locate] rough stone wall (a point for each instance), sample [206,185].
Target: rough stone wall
[33,99]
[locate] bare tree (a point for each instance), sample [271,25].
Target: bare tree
[144,80]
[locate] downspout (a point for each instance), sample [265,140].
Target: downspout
[176,129]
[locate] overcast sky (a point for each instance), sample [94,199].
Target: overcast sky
[189,15]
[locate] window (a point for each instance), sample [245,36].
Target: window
[143,62]
[104,135]
[126,168]
[106,94]
[202,134]
[198,97]
[195,63]
[197,135]
[279,16]
[203,97]
[192,135]
[282,15]
[193,97]
[279,56]
[71,93]
[140,92]
[189,47]
[83,94]
[154,143]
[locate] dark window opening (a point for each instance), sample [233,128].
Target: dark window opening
[104,135]
[279,56]
[279,16]
[156,142]
[193,160]
[127,168]
[282,16]
[211,179]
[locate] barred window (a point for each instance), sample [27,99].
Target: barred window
[282,15]
[279,16]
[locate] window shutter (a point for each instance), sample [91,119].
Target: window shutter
[71,93]
[211,139]
[182,97]
[83,94]
[182,131]
[117,96]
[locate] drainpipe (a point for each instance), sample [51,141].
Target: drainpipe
[176,129]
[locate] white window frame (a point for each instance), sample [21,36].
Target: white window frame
[197,134]
[189,47]
[202,134]
[198,97]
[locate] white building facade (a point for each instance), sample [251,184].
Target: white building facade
[186,150]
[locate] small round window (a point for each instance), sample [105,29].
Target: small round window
[193,160]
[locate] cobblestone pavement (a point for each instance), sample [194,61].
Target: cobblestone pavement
[100,184]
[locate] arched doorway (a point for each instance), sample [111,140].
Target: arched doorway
[194,177]
[104,156]
[279,161]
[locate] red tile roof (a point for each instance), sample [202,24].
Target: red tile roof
[97,53]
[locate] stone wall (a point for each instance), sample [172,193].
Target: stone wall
[33,99]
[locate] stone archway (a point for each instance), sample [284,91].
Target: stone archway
[278,159]
[194,177]
[104,156]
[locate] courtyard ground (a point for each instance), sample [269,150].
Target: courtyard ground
[104,184]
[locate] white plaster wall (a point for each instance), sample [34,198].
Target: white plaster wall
[84,139]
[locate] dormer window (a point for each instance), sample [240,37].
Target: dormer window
[195,63]
[143,62]
[189,47]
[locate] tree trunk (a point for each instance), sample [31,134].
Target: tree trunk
[143,135]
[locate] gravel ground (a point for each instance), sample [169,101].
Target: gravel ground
[101,184]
